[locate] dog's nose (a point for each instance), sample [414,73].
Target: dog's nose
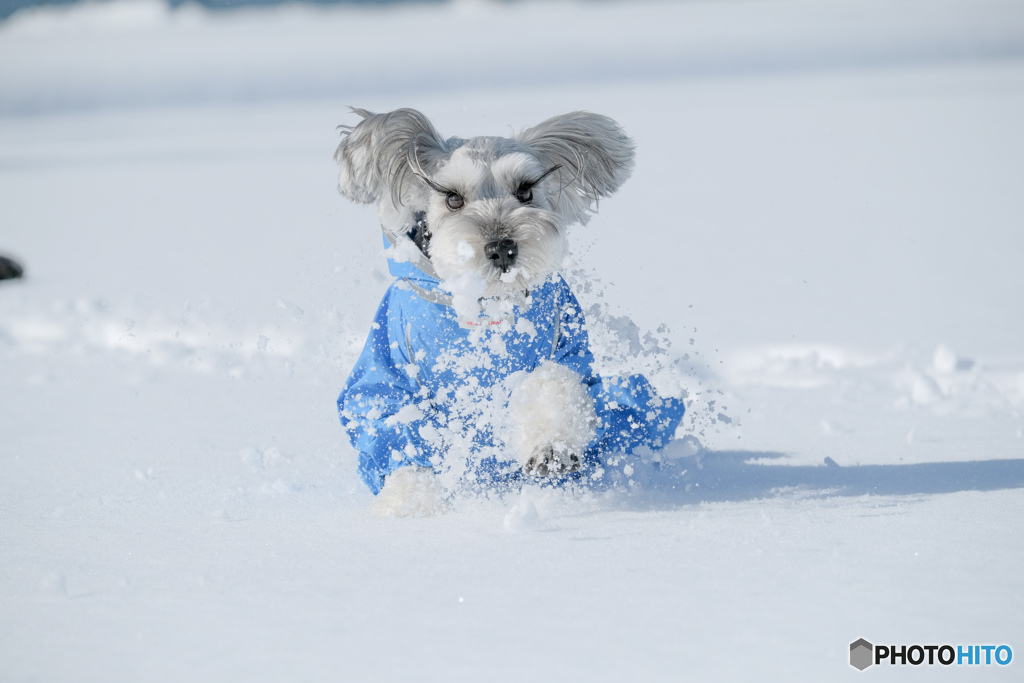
[503,253]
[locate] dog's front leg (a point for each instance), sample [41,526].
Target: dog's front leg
[553,420]
[410,491]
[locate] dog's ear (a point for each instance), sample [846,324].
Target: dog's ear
[381,152]
[595,155]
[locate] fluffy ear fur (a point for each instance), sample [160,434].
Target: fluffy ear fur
[596,157]
[380,153]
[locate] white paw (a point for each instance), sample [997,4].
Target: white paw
[553,420]
[410,492]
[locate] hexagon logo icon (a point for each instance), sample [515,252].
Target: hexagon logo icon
[861,654]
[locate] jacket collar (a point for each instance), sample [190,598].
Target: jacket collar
[419,274]
[418,269]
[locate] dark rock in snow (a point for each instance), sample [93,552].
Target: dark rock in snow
[10,269]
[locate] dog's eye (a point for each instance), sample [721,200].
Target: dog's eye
[525,193]
[455,201]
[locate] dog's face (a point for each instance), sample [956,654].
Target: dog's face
[495,207]
[491,211]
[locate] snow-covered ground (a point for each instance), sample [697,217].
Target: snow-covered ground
[823,235]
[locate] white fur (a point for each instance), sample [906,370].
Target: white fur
[553,418]
[541,245]
[410,492]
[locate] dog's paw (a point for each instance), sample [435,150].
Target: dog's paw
[549,461]
[410,492]
[553,420]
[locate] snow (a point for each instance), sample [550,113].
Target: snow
[820,244]
[467,290]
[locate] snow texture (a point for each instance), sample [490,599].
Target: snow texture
[820,245]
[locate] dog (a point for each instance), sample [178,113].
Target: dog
[477,371]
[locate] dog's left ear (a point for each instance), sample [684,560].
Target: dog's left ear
[595,155]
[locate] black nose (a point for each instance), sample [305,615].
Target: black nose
[503,253]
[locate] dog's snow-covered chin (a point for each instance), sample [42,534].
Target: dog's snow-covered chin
[459,241]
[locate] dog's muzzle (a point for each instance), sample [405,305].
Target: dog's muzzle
[502,253]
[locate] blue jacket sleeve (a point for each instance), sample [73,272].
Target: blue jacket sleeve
[630,412]
[382,406]
[572,348]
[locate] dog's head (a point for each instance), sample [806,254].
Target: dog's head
[497,207]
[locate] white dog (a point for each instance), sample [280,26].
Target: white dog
[476,369]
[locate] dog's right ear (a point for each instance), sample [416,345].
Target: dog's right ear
[383,152]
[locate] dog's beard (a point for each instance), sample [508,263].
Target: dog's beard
[458,242]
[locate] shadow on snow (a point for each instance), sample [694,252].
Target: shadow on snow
[744,475]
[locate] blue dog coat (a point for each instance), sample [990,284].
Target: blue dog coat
[425,389]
